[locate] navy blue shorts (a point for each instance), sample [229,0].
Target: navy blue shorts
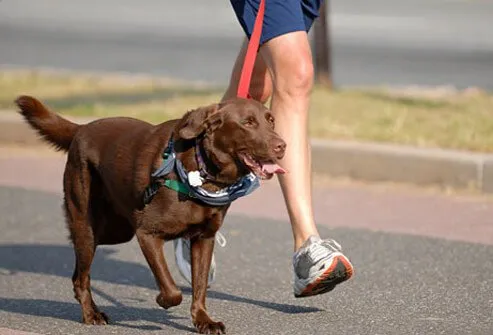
[281,16]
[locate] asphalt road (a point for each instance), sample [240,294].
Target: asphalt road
[394,42]
[403,284]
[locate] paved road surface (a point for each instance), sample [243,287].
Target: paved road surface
[406,282]
[425,42]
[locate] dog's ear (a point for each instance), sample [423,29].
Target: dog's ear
[197,121]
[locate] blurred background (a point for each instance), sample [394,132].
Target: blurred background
[379,42]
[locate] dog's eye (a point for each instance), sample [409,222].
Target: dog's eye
[248,122]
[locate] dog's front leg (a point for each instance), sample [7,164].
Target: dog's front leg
[202,249]
[152,248]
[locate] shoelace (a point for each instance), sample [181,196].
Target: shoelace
[313,252]
[331,244]
[221,240]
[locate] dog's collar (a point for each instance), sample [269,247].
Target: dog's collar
[204,172]
[190,186]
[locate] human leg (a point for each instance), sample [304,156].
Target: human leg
[284,70]
[318,264]
[288,58]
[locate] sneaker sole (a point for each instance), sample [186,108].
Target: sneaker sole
[339,271]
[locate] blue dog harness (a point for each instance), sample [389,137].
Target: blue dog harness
[242,187]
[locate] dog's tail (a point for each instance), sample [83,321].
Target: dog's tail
[54,129]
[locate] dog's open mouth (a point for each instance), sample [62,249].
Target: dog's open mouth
[263,169]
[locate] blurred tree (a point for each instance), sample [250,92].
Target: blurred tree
[323,61]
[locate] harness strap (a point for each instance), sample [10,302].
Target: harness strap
[200,162]
[251,54]
[244,186]
[168,163]
[177,186]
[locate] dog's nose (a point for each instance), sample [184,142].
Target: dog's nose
[279,148]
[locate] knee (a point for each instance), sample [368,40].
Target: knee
[295,78]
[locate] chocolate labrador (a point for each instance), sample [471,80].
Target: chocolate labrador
[109,169]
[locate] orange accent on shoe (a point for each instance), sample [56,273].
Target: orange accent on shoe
[349,273]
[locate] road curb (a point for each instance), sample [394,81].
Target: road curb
[393,163]
[359,161]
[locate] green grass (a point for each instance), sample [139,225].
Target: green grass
[458,121]
[428,118]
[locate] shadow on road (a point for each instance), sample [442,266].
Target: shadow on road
[71,312]
[58,260]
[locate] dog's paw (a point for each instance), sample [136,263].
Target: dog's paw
[167,301]
[96,318]
[211,328]
[205,325]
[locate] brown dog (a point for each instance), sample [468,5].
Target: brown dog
[109,166]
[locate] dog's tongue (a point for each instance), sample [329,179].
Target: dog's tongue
[272,168]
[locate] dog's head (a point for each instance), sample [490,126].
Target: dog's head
[238,137]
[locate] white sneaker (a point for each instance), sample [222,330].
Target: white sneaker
[319,266]
[183,258]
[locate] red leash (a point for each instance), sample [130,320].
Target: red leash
[251,54]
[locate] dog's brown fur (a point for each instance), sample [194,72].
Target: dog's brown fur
[109,166]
